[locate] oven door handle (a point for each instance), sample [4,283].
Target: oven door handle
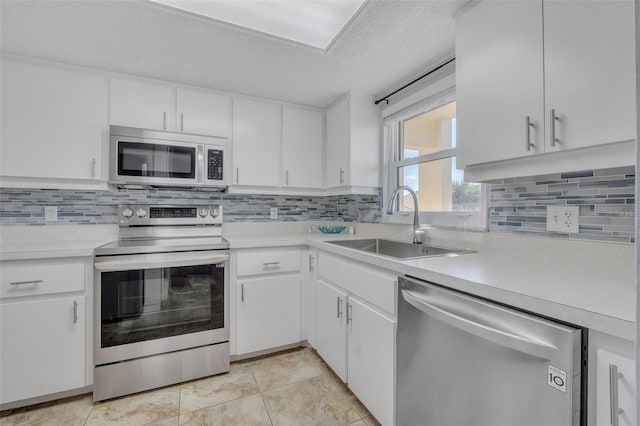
[128,263]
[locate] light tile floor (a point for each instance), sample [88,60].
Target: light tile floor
[289,388]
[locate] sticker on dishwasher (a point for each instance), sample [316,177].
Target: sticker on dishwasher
[557,378]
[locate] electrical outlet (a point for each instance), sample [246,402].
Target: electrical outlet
[273,214]
[50,213]
[563,219]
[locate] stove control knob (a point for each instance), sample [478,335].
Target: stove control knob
[141,212]
[127,212]
[215,213]
[203,212]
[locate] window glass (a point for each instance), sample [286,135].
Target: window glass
[429,132]
[439,186]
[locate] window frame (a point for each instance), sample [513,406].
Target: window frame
[393,163]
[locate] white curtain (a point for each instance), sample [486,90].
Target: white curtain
[390,143]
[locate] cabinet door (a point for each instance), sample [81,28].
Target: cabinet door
[302,131]
[268,313]
[331,333]
[499,81]
[142,105]
[336,173]
[53,122]
[624,384]
[589,54]
[203,113]
[257,137]
[371,350]
[42,347]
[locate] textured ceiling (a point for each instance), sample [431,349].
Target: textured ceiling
[390,42]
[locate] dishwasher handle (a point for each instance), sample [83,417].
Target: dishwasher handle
[502,337]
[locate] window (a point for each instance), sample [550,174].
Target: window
[422,156]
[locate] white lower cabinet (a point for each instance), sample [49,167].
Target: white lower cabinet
[331,330]
[355,335]
[612,387]
[45,337]
[267,286]
[42,347]
[268,313]
[371,350]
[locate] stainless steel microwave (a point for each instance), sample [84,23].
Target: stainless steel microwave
[142,157]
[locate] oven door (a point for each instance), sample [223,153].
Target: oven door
[147,304]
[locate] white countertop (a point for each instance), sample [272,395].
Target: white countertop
[590,284]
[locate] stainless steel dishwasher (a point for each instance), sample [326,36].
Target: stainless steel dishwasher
[463,361]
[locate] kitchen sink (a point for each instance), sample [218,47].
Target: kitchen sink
[397,249]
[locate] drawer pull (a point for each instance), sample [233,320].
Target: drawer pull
[338,306]
[267,264]
[75,312]
[242,292]
[349,313]
[25,282]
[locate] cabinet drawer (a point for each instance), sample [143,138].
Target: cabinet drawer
[373,285]
[36,278]
[254,262]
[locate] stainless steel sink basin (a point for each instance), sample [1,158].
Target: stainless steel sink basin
[397,249]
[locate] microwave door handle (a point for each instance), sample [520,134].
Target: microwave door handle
[201,164]
[488,332]
[137,263]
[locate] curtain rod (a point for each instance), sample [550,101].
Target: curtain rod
[386,98]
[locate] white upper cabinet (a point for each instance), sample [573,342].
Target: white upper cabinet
[147,106]
[337,144]
[53,122]
[353,143]
[202,113]
[499,80]
[589,60]
[302,135]
[257,143]
[508,85]
[162,107]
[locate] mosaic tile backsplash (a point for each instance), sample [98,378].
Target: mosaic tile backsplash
[26,206]
[606,199]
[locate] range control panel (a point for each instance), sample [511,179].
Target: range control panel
[168,215]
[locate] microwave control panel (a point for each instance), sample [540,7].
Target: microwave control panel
[214,164]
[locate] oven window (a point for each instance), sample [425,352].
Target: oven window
[147,159]
[150,304]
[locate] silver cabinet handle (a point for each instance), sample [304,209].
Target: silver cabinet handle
[242,292]
[614,409]
[527,128]
[267,264]
[286,178]
[182,122]
[164,120]
[310,262]
[75,312]
[553,117]
[349,313]
[338,307]
[237,174]
[341,176]
[475,326]
[93,167]
[25,282]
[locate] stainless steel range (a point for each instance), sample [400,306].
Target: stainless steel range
[161,302]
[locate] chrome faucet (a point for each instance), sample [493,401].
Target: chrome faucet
[416,212]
